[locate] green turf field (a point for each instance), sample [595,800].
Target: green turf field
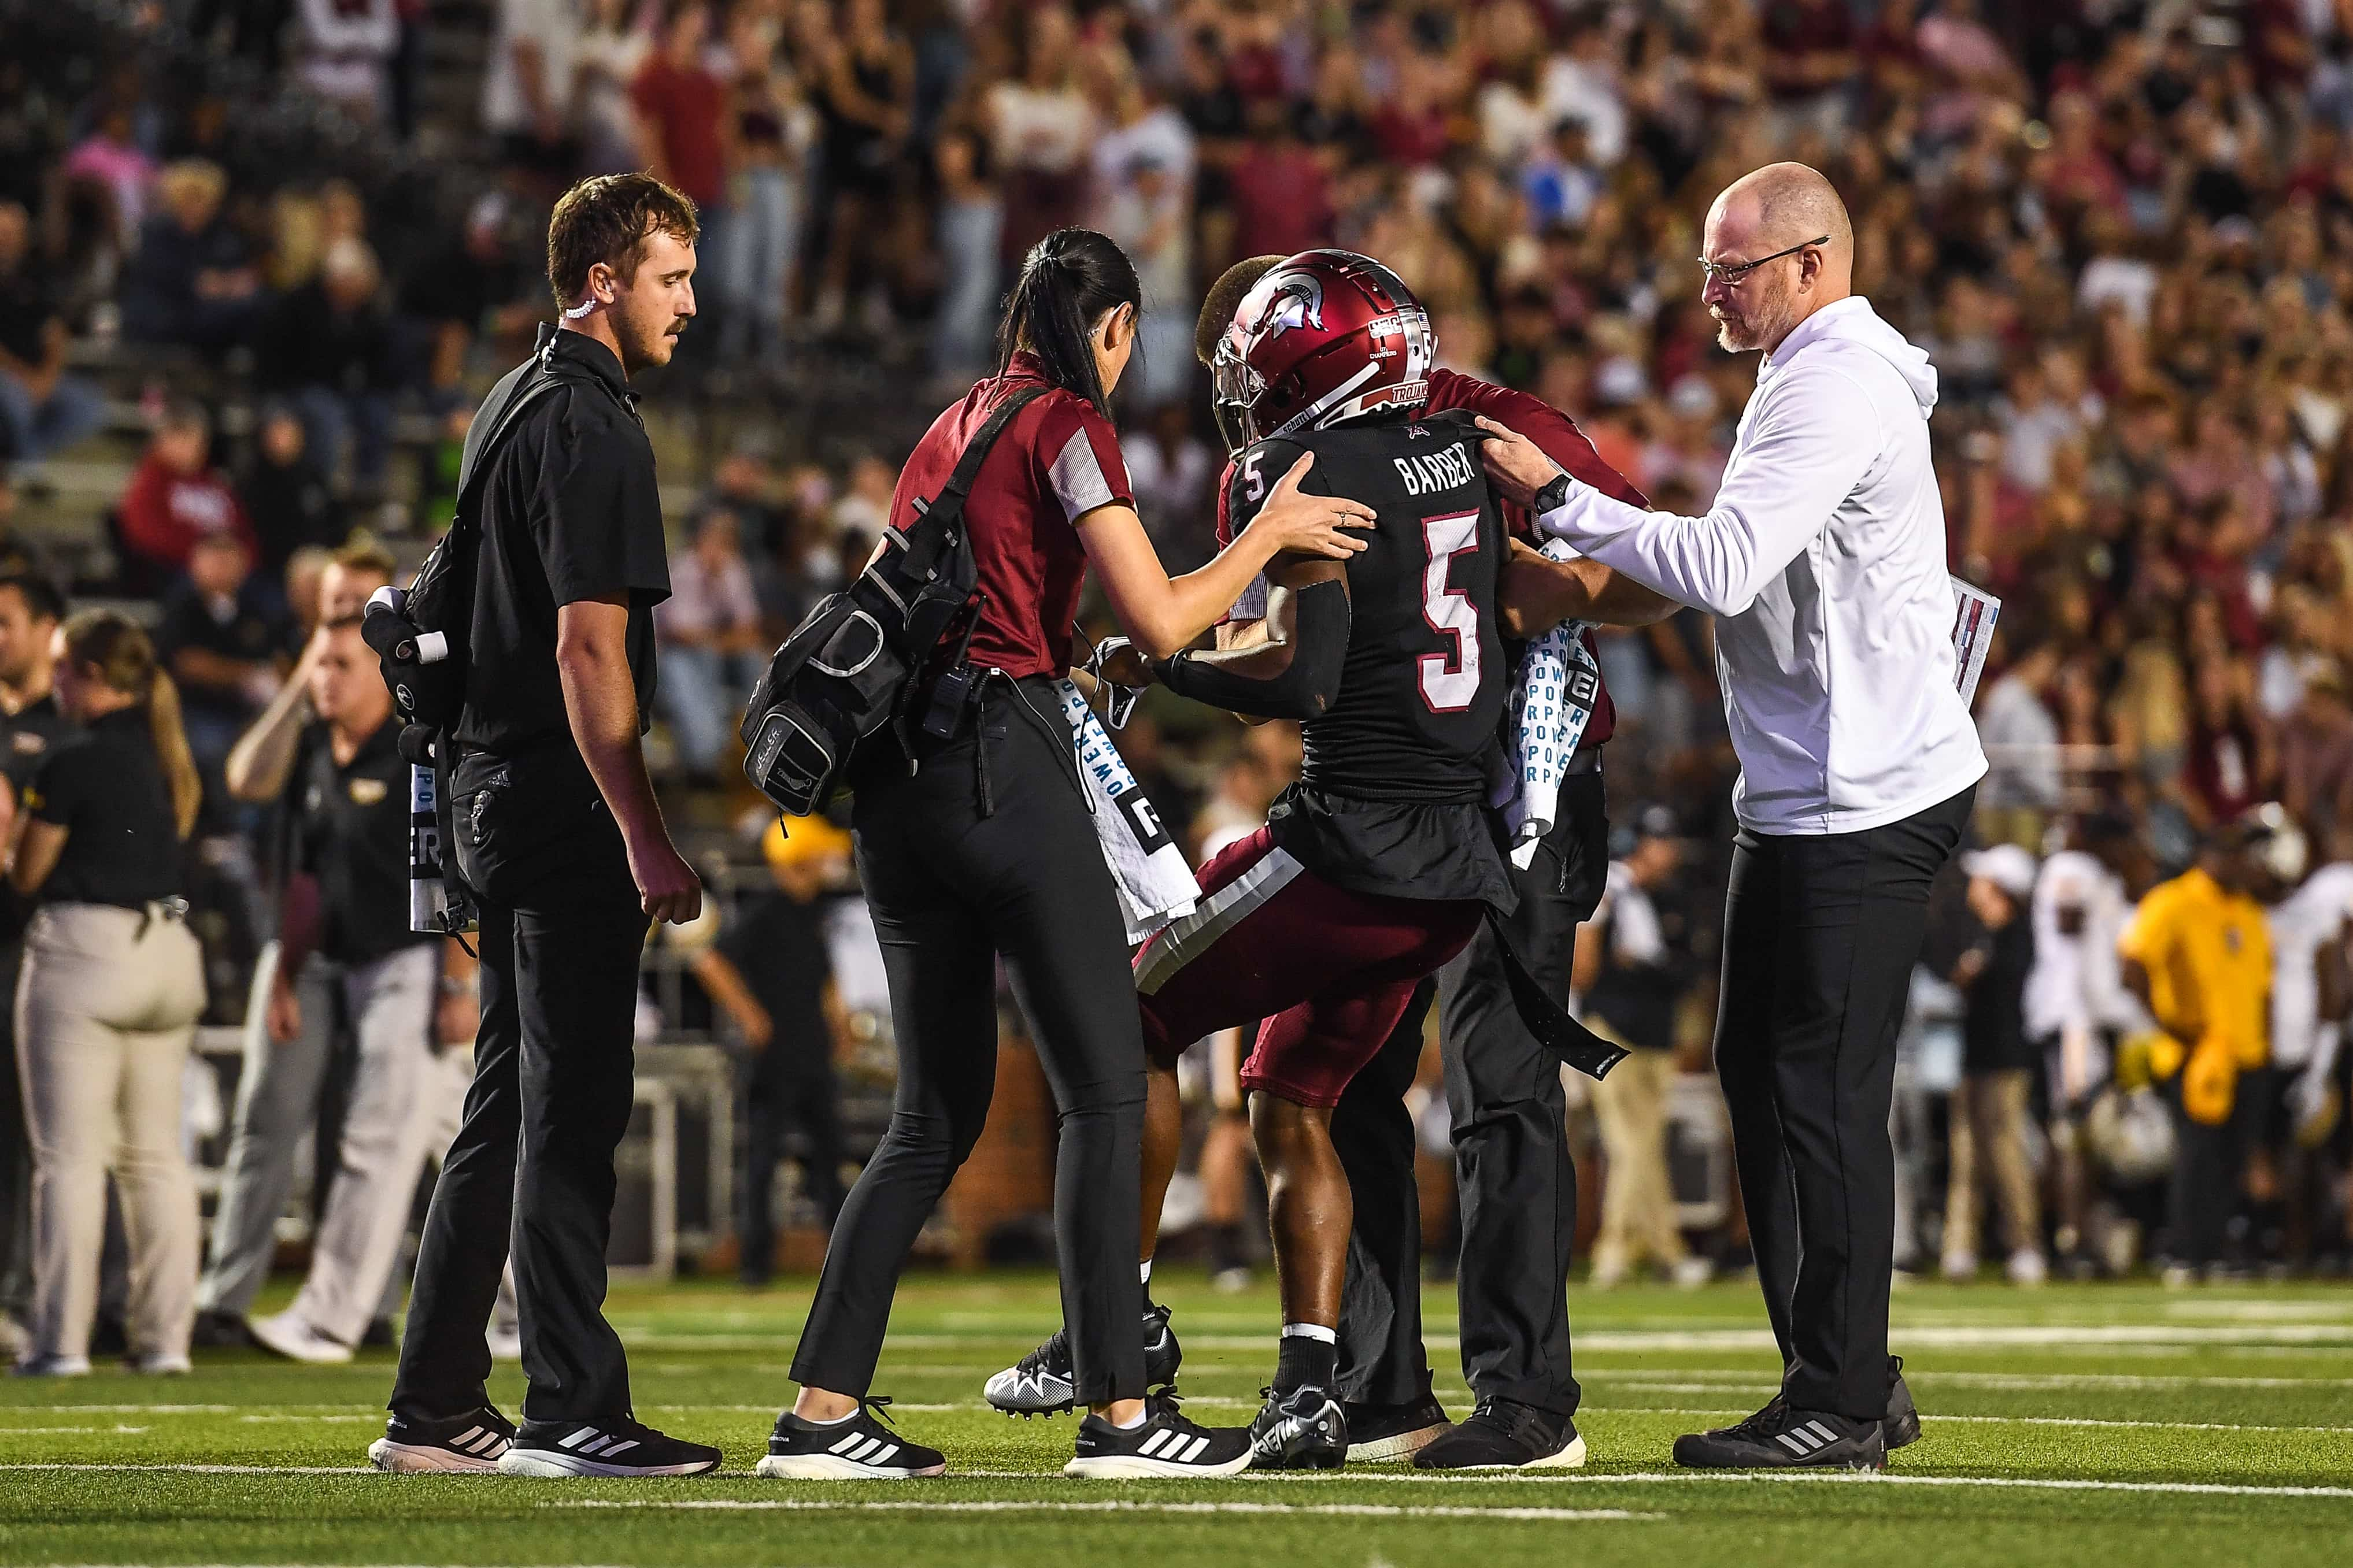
[2118,1425]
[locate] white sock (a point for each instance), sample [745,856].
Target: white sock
[1144,1270]
[1311,1332]
[837,1421]
[1129,1426]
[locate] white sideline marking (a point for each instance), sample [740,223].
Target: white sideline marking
[1983,1380]
[1644,1478]
[1333,1510]
[1940,1419]
[44,1431]
[209,1469]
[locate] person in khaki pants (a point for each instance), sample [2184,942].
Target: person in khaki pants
[1630,985]
[112,987]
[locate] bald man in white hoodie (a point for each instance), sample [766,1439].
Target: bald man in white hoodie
[1823,560]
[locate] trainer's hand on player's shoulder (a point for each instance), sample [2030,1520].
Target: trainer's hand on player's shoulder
[1311,525]
[1516,467]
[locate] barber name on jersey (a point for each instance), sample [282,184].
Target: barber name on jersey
[1426,473]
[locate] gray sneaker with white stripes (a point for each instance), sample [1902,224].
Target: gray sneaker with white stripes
[861,1447]
[459,1444]
[619,1447]
[1778,1438]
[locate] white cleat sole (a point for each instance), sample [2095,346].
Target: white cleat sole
[291,1341]
[834,1467]
[423,1459]
[1404,1445]
[540,1464]
[1572,1457]
[1138,1467]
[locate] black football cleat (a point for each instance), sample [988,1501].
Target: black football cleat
[1901,1428]
[1504,1435]
[1165,1446]
[1305,1429]
[1041,1382]
[1386,1432]
[1780,1437]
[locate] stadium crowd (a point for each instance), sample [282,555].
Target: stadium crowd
[2124,230]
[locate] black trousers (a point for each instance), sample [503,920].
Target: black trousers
[1819,937]
[989,851]
[780,1095]
[531,1170]
[2203,1188]
[15,1151]
[1516,1185]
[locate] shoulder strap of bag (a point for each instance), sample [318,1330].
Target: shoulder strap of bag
[521,387]
[975,451]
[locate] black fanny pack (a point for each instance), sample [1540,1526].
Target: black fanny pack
[856,664]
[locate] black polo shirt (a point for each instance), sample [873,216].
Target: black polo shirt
[351,833]
[26,737]
[245,628]
[778,944]
[570,511]
[106,788]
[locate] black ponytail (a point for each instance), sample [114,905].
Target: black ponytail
[1068,280]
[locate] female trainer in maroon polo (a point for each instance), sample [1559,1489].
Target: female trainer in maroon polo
[988,850]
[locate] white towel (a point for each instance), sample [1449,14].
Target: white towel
[1154,884]
[1552,700]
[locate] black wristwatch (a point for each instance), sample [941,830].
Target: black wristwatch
[1553,495]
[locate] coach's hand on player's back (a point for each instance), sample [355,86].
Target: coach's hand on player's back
[1516,467]
[1312,525]
[666,886]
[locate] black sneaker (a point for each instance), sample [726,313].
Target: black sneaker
[1901,1427]
[473,1442]
[1302,1430]
[860,1448]
[1040,1384]
[1504,1435]
[1779,1437]
[1165,1444]
[217,1330]
[1377,1432]
[617,1447]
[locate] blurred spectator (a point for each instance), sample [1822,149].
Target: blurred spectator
[346,48]
[769,133]
[1810,61]
[771,973]
[328,346]
[192,281]
[1631,980]
[864,89]
[2074,1007]
[2022,741]
[42,407]
[709,630]
[175,499]
[1040,128]
[111,158]
[1990,1110]
[2315,744]
[1281,193]
[286,495]
[223,643]
[682,107]
[864,509]
[608,56]
[529,83]
[971,221]
[1175,474]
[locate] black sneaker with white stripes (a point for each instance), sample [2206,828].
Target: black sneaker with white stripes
[1165,1443]
[619,1447]
[1040,1384]
[862,1447]
[1778,1438]
[1303,1429]
[415,1445]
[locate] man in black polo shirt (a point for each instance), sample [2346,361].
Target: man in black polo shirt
[351,966]
[31,609]
[558,835]
[222,641]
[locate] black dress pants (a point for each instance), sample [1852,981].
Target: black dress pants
[1819,937]
[531,1169]
[1516,1185]
[989,851]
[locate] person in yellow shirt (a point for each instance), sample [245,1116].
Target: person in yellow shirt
[2197,955]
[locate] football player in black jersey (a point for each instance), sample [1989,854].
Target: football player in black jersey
[1379,866]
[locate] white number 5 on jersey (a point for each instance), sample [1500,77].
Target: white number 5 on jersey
[1449,682]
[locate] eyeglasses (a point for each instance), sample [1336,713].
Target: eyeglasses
[1731,273]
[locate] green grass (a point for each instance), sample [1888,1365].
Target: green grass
[2226,1388]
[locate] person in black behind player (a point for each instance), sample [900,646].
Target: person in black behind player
[771,973]
[1380,864]
[30,723]
[560,837]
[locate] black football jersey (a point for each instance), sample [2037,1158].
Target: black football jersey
[1422,694]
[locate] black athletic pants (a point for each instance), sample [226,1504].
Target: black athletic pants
[531,1167]
[782,1093]
[1516,1185]
[987,851]
[1819,937]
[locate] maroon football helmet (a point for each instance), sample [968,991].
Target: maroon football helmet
[1325,335]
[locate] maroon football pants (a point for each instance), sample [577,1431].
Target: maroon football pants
[1324,972]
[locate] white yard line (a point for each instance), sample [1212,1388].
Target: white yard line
[1333,1510]
[1699,1380]
[1940,1420]
[1653,1477]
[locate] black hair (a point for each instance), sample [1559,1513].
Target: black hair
[1069,278]
[42,600]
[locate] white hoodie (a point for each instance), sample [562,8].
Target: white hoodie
[1823,559]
